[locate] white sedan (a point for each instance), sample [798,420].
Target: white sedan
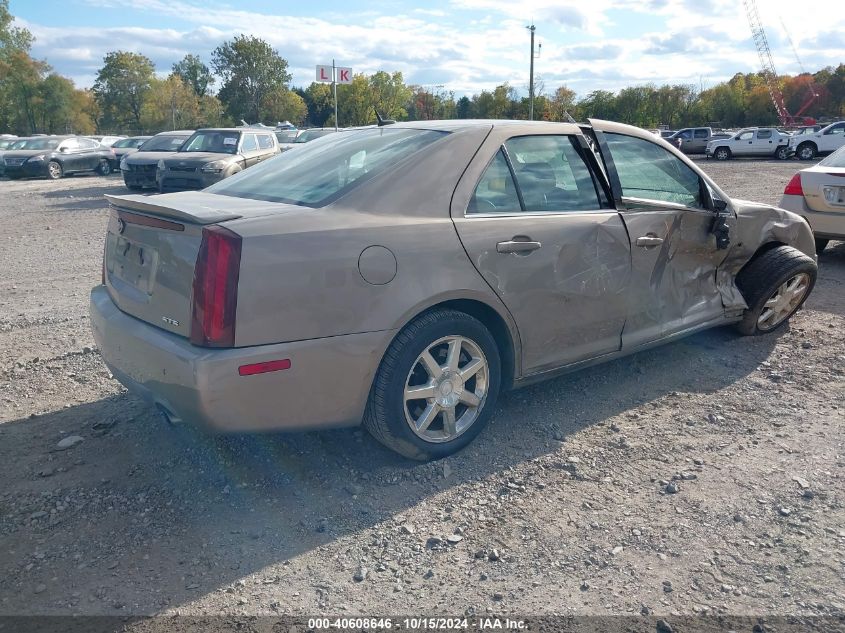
[818,194]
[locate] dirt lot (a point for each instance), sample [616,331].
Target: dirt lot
[561,506]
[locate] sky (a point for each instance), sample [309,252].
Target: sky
[463,46]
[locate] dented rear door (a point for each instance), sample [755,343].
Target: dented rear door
[531,218]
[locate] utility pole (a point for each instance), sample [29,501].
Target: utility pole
[334,89]
[531,77]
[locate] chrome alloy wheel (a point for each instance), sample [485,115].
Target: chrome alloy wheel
[446,389]
[55,170]
[783,302]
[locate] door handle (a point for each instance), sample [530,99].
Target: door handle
[518,246]
[649,241]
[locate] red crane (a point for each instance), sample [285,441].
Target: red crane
[770,74]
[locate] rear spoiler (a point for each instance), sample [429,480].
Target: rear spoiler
[185,208]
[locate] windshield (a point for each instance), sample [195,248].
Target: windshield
[327,169]
[41,143]
[310,135]
[212,141]
[837,159]
[162,144]
[7,143]
[129,142]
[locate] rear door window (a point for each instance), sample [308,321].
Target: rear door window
[496,191]
[249,143]
[764,134]
[649,172]
[701,134]
[265,141]
[551,174]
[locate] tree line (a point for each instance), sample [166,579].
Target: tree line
[252,84]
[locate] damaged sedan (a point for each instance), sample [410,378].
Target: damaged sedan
[403,276]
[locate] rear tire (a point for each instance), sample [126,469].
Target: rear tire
[103,167]
[456,399]
[774,285]
[722,153]
[821,244]
[806,151]
[781,153]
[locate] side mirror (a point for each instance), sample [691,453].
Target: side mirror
[64,150]
[719,205]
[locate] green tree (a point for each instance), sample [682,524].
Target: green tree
[56,101]
[282,104]
[250,69]
[121,88]
[194,73]
[320,103]
[355,102]
[464,108]
[390,94]
[561,104]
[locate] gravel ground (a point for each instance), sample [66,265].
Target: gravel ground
[707,476]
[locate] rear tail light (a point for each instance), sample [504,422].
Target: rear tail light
[216,288]
[794,187]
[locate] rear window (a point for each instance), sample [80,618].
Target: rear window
[837,159]
[320,172]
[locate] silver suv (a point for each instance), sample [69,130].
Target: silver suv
[210,155]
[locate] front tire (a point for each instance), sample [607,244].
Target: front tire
[436,387]
[722,153]
[55,170]
[774,285]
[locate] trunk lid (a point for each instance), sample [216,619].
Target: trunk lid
[151,251]
[824,188]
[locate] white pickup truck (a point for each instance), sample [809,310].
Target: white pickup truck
[826,140]
[750,141]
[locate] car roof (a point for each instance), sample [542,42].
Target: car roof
[265,130]
[176,133]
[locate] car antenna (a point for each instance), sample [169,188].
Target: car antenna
[381,121]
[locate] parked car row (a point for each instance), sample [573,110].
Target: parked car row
[56,156]
[806,142]
[208,155]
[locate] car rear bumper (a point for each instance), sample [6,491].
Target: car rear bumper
[326,386]
[825,224]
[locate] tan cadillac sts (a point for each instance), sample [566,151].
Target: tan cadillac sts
[402,276]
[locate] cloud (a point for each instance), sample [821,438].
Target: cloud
[466,45]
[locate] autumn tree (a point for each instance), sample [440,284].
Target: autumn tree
[171,104]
